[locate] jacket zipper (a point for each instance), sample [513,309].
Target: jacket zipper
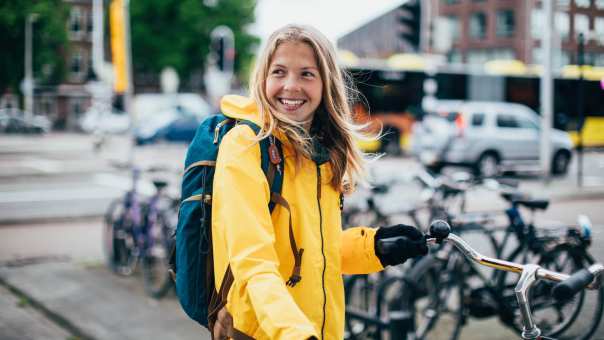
[322,248]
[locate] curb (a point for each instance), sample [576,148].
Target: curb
[56,318]
[44,220]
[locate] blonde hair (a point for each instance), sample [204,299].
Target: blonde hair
[334,113]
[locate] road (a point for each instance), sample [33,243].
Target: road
[62,175]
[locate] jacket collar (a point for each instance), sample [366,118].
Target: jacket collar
[240,107]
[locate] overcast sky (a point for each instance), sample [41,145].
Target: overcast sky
[332,17]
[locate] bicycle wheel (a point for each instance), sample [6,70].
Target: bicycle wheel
[558,319]
[155,260]
[434,291]
[360,295]
[119,243]
[111,216]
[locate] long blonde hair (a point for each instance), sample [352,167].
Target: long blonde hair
[335,124]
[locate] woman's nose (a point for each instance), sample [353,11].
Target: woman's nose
[291,84]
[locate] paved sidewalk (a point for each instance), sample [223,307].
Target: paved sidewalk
[91,303]
[20,321]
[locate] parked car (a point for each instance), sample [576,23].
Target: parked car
[104,121]
[173,119]
[490,137]
[17,121]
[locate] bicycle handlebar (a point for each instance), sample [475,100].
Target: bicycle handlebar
[568,286]
[576,282]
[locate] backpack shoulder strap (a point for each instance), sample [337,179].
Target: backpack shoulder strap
[273,171]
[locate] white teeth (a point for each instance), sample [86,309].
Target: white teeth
[292,102]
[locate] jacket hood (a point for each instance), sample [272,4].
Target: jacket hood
[240,107]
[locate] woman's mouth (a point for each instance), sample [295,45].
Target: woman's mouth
[291,104]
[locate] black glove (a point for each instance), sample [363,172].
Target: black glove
[412,244]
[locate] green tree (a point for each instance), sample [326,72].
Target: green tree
[177,33]
[49,41]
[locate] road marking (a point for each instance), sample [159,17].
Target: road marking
[87,193]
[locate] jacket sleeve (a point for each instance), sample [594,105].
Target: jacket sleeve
[358,251]
[241,196]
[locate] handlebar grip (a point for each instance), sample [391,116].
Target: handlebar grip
[568,288]
[386,245]
[439,229]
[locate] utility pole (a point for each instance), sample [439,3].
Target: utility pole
[546,90]
[580,107]
[97,37]
[28,83]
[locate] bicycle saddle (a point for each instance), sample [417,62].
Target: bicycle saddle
[159,184]
[513,196]
[379,189]
[534,204]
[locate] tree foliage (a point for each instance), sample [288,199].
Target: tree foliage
[49,41]
[177,33]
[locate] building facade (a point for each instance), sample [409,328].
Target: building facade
[69,100]
[474,31]
[482,30]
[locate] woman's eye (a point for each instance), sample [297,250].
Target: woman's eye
[308,74]
[278,72]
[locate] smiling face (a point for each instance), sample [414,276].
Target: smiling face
[294,86]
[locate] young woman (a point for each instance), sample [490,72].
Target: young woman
[284,270]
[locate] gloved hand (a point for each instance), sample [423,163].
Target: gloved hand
[411,245]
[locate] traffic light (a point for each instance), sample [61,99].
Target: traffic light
[409,18]
[223,53]
[218,50]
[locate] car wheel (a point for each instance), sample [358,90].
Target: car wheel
[560,163]
[488,165]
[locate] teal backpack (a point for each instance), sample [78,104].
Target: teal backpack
[191,260]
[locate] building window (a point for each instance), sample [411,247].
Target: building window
[582,3]
[599,4]
[75,18]
[563,4]
[537,23]
[562,25]
[599,29]
[581,24]
[505,23]
[478,25]
[450,2]
[77,106]
[76,66]
[89,22]
[455,28]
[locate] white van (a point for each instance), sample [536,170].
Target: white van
[490,137]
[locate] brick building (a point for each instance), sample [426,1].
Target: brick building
[64,103]
[475,31]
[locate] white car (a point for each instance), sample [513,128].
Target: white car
[99,121]
[490,137]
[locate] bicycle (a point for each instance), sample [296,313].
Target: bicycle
[445,284]
[137,231]
[402,326]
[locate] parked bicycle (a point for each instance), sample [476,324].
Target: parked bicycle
[447,289]
[400,319]
[137,230]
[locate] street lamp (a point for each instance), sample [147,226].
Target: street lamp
[28,83]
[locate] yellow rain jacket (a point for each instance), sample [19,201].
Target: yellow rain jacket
[256,243]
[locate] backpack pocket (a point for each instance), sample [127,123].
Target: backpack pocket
[193,247]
